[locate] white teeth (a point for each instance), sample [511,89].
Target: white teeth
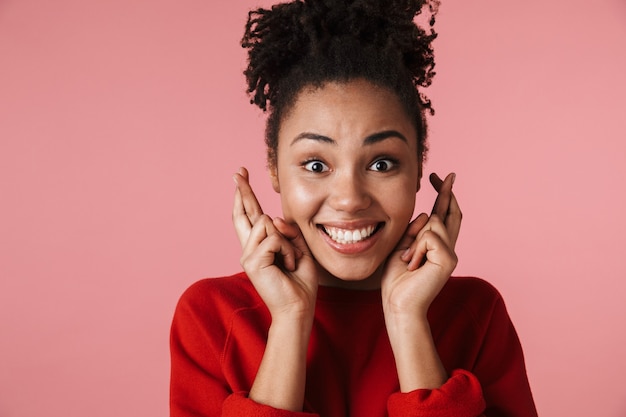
[344,236]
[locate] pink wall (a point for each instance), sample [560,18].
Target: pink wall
[121,123]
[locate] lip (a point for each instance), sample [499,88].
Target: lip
[356,247]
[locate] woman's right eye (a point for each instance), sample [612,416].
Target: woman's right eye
[315,166]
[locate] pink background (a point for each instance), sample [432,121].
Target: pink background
[121,123]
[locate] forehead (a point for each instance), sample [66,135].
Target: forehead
[342,110]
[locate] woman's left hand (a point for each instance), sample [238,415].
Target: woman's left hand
[424,259]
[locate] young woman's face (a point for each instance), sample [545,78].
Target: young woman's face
[347,170]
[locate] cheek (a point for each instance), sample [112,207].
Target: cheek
[402,209]
[299,201]
[400,198]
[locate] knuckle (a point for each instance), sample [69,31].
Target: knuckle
[249,264]
[452,262]
[264,219]
[261,222]
[253,215]
[429,234]
[273,240]
[435,219]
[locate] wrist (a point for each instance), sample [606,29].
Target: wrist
[293,315]
[280,380]
[417,360]
[287,326]
[404,326]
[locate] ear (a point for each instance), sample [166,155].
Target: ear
[419,175]
[274,177]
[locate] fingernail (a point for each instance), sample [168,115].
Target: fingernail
[453,178]
[405,254]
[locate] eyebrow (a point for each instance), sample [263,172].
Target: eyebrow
[369,140]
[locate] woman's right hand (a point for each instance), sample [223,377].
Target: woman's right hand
[275,256]
[281,268]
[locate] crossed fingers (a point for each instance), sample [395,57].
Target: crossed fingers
[246,209]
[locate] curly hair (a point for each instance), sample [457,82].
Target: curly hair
[310,42]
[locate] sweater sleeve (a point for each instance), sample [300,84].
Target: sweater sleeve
[239,405]
[198,385]
[501,368]
[460,396]
[496,385]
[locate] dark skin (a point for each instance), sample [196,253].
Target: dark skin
[248,212]
[281,265]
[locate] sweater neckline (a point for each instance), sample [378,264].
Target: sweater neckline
[343,295]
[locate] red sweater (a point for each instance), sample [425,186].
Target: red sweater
[220,330]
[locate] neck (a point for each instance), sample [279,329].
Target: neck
[372,282]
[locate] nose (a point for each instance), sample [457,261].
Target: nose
[349,193]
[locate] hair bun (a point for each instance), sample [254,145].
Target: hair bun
[279,38]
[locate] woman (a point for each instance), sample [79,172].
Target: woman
[346,306]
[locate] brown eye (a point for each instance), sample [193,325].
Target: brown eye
[315,166]
[382,165]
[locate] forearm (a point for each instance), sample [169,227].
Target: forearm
[280,380]
[417,361]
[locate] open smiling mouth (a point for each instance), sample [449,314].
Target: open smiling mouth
[348,236]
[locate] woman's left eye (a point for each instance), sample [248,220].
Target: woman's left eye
[382,165]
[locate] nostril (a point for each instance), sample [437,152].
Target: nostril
[350,198]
